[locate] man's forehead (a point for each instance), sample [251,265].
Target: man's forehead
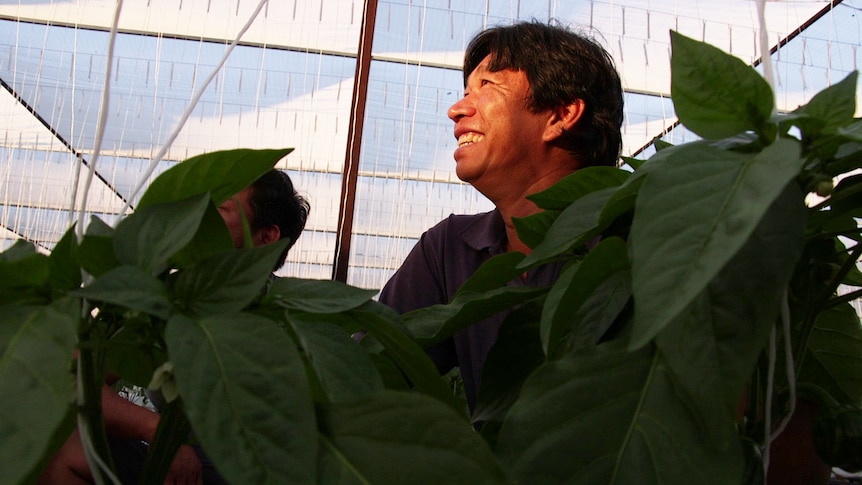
[484,65]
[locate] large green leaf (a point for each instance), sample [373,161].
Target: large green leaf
[852,131]
[96,251]
[713,346]
[318,296]
[848,156]
[493,273]
[353,321]
[575,286]
[578,222]
[433,324]
[694,212]
[246,395]
[623,201]
[36,348]
[603,315]
[532,229]
[609,417]
[152,235]
[835,105]
[715,94]
[411,359]
[136,350]
[22,266]
[484,294]
[222,174]
[64,269]
[395,437]
[226,282]
[481,296]
[343,367]
[847,197]
[130,287]
[834,358]
[212,237]
[578,184]
[515,354]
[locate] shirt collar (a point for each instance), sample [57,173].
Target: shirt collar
[486,232]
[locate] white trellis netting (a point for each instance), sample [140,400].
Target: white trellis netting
[289,83]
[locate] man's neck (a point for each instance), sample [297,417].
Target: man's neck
[516,209]
[518,206]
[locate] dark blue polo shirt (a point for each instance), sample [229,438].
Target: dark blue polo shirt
[443,259]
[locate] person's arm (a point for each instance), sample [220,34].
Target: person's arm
[127,420]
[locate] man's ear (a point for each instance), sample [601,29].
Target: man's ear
[564,119]
[267,235]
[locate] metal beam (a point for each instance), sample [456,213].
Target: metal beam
[350,175]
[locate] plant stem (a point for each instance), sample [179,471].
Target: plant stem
[172,432]
[847,297]
[822,301]
[91,424]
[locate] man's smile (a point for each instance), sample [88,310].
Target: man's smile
[469,138]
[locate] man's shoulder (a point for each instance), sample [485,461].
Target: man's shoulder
[478,231]
[461,222]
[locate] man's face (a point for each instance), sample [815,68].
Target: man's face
[230,212]
[498,137]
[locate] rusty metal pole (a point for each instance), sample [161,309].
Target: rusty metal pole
[350,175]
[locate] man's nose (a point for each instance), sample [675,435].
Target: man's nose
[460,109]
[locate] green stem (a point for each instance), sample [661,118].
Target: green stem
[822,301]
[172,432]
[92,378]
[847,297]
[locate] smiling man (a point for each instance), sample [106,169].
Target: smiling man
[540,102]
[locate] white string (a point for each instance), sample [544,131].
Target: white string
[96,464]
[765,58]
[185,116]
[102,119]
[94,461]
[769,433]
[790,371]
[87,440]
[788,363]
[77,159]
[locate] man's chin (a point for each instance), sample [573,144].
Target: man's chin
[463,173]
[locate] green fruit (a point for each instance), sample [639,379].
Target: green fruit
[824,188]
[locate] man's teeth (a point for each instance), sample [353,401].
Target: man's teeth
[468,138]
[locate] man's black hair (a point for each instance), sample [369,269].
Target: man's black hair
[274,201]
[561,66]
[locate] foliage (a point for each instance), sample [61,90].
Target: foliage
[268,376]
[630,369]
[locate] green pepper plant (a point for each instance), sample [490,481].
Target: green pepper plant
[264,373]
[705,291]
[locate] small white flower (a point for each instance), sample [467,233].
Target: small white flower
[163,379]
